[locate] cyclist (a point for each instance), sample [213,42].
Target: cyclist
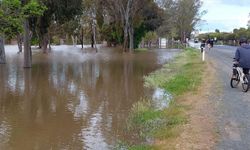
[210,43]
[242,56]
[203,45]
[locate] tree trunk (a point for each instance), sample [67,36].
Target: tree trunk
[125,30]
[73,41]
[45,43]
[76,40]
[20,43]
[127,24]
[92,40]
[50,46]
[2,51]
[183,37]
[49,43]
[67,39]
[160,43]
[131,39]
[40,44]
[82,39]
[27,48]
[125,44]
[94,37]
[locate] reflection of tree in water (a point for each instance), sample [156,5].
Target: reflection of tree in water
[33,122]
[67,105]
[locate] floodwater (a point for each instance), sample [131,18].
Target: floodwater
[72,99]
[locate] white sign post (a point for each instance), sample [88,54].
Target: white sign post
[203,55]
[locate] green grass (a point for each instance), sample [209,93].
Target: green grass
[143,118]
[123,146]
[141,49]
[183,74]
[180,76]
[140,147]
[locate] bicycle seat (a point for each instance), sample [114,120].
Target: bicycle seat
[235,64]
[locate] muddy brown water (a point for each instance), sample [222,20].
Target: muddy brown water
[72,99]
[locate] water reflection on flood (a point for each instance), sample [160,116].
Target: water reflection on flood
[72,99]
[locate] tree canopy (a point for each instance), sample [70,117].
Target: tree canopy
[123,22]
[228,37]
[180,17]
[12,15]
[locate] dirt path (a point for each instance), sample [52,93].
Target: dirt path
[200,132]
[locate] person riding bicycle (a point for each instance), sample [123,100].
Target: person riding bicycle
[210,43]
[203,45]
[242,55]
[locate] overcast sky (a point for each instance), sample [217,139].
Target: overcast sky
[224,15]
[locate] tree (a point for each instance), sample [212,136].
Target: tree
[217,31]
[168,27]
[242,32]
[12,14]
[129,20]
[125,9]
[181,17]
[151,18]
[59,12]
[187,16]
[89,16]
[30,9]
[248,23]
[10,23]
[149,38]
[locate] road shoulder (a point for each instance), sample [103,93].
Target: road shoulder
[200,132]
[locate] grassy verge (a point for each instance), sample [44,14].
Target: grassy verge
[183,74]
[141,49]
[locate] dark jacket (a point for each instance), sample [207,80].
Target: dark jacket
[242,55]
[203,44]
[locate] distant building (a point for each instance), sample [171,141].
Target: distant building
[162,42]
[196,33]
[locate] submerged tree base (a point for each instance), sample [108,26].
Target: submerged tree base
[2,51]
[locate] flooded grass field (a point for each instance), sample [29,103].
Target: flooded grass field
[72,98]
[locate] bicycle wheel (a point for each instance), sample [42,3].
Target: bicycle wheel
[235,81]
[245,84]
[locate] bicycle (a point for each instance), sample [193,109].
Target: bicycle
[240,77]
[209,46]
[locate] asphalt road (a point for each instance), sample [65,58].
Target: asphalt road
[233,114]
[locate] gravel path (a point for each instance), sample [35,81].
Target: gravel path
[233,116]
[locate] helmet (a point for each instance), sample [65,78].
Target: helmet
[243,40]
